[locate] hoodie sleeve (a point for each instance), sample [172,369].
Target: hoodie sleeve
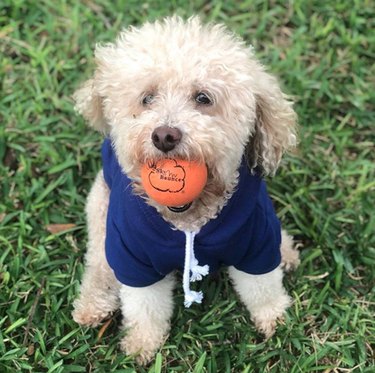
[131,268]
[264,255]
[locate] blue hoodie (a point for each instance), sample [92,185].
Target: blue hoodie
[142,248]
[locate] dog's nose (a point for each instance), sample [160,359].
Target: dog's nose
[166,138]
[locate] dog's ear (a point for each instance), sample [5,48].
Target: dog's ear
[275,126]
[88,103]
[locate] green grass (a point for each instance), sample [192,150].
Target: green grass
[324,54]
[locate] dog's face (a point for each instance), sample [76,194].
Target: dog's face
[185,90]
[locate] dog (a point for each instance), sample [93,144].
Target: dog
[183,89]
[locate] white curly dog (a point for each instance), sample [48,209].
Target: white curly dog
[183,89]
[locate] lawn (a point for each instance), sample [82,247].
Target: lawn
[324,53]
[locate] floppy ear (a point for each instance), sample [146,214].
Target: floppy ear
[88,103]
[275,126]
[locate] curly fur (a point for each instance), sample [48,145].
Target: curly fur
[173,60]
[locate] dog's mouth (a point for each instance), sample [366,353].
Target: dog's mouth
[174,182]
[179,209]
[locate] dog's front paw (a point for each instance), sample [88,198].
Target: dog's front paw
[142,343]
[265,318]
[89,314]
[266,326]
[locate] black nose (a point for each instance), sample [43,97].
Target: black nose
[166,138]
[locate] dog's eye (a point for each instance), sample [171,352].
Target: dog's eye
[148,99]
[203,99]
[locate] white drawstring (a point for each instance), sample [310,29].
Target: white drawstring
[197,271]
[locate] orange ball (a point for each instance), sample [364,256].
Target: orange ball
[173,182]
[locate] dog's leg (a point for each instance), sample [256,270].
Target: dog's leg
[99,293]
[147,312]
[289,255]
[263,295]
